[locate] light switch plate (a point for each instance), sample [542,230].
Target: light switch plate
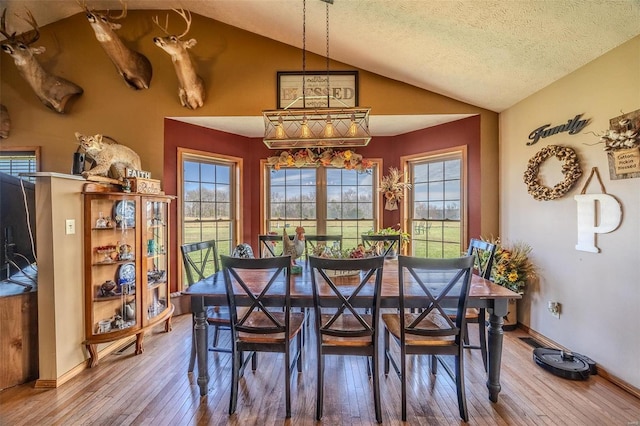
[70,226]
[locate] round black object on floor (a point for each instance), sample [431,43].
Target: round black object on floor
[562,363]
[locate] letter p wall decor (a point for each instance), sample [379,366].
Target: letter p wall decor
[609,214]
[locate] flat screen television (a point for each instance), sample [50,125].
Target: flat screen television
[14,232]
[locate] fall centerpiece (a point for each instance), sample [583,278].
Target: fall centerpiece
[316,157]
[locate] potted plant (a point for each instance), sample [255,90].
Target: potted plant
[512,269]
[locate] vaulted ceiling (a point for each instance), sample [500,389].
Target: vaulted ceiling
[488,53]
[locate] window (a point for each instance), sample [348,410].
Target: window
[16,161]
[437,207]
[323,200]
[209,199]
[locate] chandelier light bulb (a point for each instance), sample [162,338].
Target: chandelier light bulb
[305,132]
[353,127]
[280,133]
[329,129]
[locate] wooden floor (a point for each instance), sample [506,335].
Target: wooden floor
[154,388]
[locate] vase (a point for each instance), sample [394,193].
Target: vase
[511,319]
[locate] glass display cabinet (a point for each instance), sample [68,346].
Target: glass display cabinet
[126,266]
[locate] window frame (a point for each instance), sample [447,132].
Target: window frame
[24,149]
[377,207]
[236,194]
[406,214]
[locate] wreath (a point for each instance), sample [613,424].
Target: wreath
[570,169]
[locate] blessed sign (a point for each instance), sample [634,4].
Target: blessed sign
[340,91]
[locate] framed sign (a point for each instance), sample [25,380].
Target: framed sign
[343,89]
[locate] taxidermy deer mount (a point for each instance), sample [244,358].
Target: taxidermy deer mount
[191,85]
[133,66]
[5,122]
[53,91]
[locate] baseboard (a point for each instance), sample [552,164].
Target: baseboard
[54,383]
[601,371]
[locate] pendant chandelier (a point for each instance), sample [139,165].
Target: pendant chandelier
[316,127]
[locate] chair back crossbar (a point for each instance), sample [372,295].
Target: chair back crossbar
[267,244]
[443,285]
[259,298]
[312,242]
[350,326]
[200,260]
[383,244]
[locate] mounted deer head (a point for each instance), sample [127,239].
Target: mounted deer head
[53,91]
[5,122]
[190,84]
[133,66]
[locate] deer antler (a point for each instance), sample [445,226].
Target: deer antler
[83,5]
[187,18]
[3,26]
[185,15]
[122,15]
[31,21]
[165,29]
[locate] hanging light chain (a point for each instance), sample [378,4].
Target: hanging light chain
[304,50]
[327,18]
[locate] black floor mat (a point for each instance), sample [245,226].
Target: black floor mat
[531,342]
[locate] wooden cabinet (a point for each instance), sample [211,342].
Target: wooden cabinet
[127,262]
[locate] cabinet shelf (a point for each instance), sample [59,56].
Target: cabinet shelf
[112,228]
[116,316]
[115,262]
[110,298]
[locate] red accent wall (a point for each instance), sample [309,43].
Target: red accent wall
[252,150]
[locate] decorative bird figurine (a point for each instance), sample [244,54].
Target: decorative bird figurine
[295,247]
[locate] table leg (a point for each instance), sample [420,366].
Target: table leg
[494,346]
[200,330]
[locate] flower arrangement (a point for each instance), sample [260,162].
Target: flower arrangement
[511,265]
[392,188]
[316,157]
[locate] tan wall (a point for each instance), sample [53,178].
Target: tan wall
[599,293]
[60,272]
[239,69]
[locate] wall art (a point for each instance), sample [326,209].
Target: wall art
[604,207]
[570,169]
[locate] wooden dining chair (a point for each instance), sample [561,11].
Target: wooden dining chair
[267,324]
[430,331]
[312,243]
[270,245]
[200,260]
[484,252]
[347,328]
[382,244]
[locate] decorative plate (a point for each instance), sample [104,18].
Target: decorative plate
[127,273]
[125,213]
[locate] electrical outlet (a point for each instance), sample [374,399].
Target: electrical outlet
[70,227]
[554,308]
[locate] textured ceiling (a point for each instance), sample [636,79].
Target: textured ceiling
[488,53]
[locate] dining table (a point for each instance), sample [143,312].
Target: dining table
[483,293]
